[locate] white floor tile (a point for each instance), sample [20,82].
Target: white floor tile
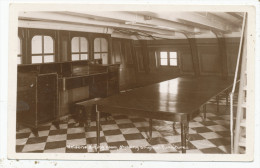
[201,144]
[34,147]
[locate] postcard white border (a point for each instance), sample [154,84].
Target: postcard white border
[12,80]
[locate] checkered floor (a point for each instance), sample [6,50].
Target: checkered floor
[129,134]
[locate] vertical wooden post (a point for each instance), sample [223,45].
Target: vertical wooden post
[110,50]
[145,55]
[194,55]
[223,57]
[98,129]
[91,47]
[150,128]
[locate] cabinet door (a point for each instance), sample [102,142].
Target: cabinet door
[46,97]
[99,86]
[26,99]
[113,81]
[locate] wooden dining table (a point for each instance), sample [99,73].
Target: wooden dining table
[177,100]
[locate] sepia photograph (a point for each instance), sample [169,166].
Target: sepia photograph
[131,82]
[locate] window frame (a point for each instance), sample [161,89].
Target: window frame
[88,51]
[42,54]
[101,52]
[168,58]
[29,33]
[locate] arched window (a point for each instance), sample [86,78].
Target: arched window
[101,49]
[19,49]
[42,49]
[79,48]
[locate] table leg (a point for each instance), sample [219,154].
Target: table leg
[183,135]
[217,99]
[35,132]
[56,124]
[204,112]
[174,128]
[150,128]
[173,125]
[227,100]
[88,111]
[188,135]
[98,130]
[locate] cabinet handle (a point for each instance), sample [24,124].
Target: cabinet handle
[32,85]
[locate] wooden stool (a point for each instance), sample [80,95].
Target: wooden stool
[84,110]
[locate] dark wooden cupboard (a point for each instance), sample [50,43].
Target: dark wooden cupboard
[37,97]
[39,88]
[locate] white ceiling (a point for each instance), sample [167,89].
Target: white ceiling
[139,25]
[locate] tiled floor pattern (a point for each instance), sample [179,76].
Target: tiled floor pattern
[129,134]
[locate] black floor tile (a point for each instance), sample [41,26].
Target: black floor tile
[19,148]
[35,140]
[76,136]
[133,136]
[22,135]
[93,140]
[58,132]
[126,125]
[112,132]
[55,145]
[220,141]
[157,140]
[201,129]
[212,151]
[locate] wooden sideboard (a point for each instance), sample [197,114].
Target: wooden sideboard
[40,88]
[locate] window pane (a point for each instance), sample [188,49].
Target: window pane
[36,59]
[83,44]
[173,62]
[104,58]
[84,56]
[19,60]
[173,54]
[163,54]
[37,45]
[49,58]
[48,44]
[104,45]
[75,57]
[75,44]
[97,56]
[164,62]
[97,45]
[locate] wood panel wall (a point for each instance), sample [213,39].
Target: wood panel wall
[139,59]
[62,42]
[145,69]
[123,53]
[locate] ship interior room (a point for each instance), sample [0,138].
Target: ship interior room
[131,82]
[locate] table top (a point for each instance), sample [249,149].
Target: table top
[167,100]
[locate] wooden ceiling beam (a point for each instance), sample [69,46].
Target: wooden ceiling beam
[226,18]
[238,15]
[74,20]
[134,18]
[199,20]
